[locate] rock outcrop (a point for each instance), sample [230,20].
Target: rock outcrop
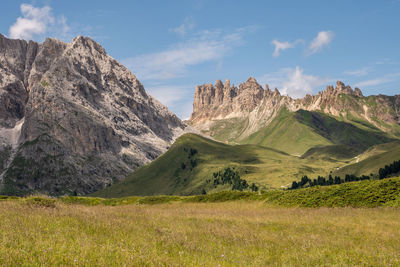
[217,106]
[72,119]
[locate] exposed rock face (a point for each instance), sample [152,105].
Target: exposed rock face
[72,119]
[255,107]
[221,100]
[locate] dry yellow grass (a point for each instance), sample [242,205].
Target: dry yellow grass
[194,234]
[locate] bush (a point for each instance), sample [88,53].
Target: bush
[41,202]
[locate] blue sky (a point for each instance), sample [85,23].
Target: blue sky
[297,46]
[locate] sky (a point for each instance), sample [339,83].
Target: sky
[299,47]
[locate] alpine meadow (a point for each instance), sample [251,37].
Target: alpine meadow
[118,149]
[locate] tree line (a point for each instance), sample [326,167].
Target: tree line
[384,172]
[389,169]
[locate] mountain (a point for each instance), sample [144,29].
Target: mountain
[271,140]
[232,114]
[72,119]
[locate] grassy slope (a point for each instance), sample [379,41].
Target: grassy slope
[287,134]
[228,130]
[372,159]
[374,106]
[165,175]
[298,132]
[266,167]
[340,132]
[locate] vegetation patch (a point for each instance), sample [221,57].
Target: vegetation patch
[37,201]
[44,83]
[231,177]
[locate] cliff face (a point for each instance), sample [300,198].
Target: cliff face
[72,119]
[251,106]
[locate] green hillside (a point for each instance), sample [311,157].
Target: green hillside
[297,132]
[185,168]
[340,132]
[188,166]
[288,134]
[372,159]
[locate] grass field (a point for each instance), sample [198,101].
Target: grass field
[352,224]
[239,233]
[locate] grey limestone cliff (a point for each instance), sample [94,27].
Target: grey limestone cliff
[72,119]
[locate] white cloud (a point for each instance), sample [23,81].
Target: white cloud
[323,38]
[38,22]
[203,47]
[281,46]
[34,21]
[298,84]
[293,82]
[183,29]
[378,81]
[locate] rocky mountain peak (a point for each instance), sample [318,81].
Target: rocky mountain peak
[346,89]
[276,91]
[88,43]
[358,92]
[227,84]
[218,84]
[341,88]
[83,119]
[259,106]
[251,79]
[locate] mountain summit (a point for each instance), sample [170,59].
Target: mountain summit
[230,113]
[72,119]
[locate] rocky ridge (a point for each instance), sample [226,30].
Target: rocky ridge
[255,107]
[72,119]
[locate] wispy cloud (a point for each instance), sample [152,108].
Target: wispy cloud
[184,28]
[293,82]
[204,46]
[169,94]
[281,46]
[387,61]
[359,72]
[379,81]
[175,97]
[37,22]
[323,38]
